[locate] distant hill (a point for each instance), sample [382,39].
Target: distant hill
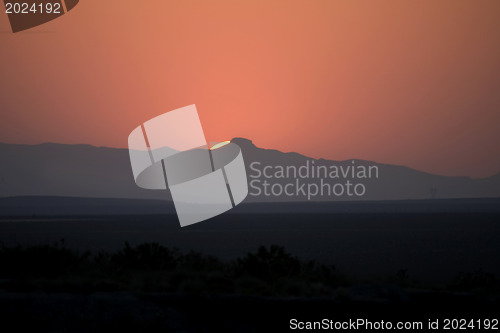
[69,170]
[98,172]
[393,182]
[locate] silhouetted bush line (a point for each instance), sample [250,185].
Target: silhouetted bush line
[151,267]
[478,281]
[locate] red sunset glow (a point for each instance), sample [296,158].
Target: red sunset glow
[414,83]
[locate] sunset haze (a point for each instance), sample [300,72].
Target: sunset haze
[413,83]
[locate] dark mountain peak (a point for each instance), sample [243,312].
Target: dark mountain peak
[243,143]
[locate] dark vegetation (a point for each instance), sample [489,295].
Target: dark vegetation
[152,288]
[151,267]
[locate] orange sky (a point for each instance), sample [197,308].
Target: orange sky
[414,83]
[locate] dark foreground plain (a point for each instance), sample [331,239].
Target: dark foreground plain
[430,246]
[399,264]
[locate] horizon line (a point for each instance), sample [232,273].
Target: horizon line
[283,152]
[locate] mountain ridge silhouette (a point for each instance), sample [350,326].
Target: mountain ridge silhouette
[82,170]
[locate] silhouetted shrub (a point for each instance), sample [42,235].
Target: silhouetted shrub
[199,262]
[40,261]
[147,256]
[476,280]
[268,264]
[152,267]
